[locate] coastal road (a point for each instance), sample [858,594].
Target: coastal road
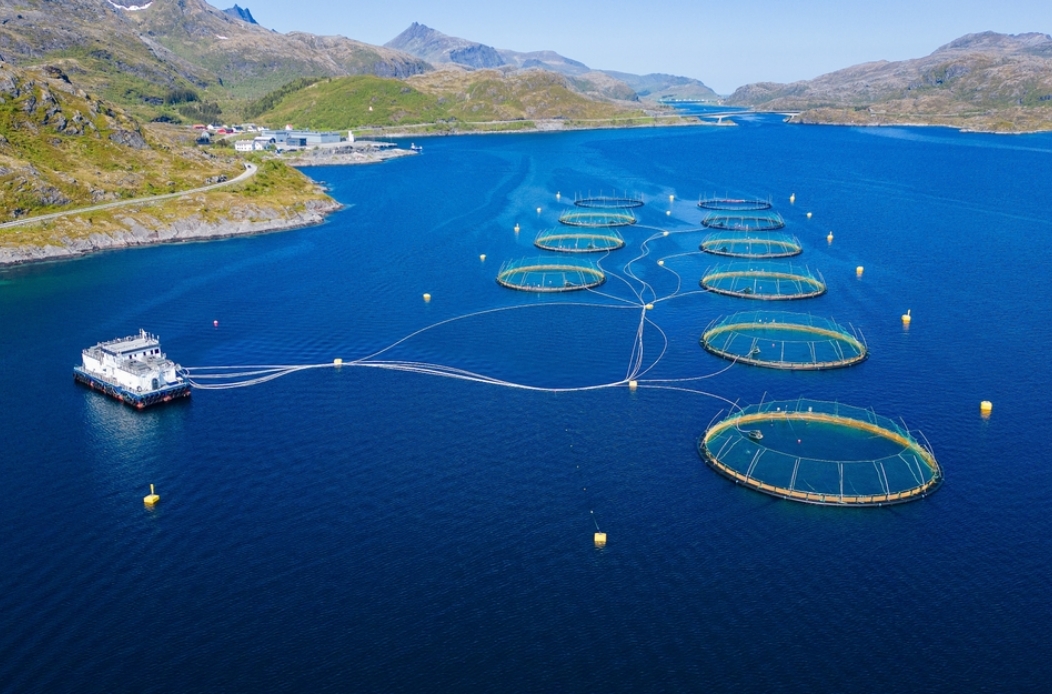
[250,171]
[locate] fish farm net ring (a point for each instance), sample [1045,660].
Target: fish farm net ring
[598,219]
[609,203]
[771,221]
[550,275]
[783,340]
[766,282]
[736,245]
[579,241]
[821,453]
[734,204]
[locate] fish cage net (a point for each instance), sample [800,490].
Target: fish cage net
[821,453]
[579,241]
[768,221]
[609,202]
[597,219]
[734,204]
[783,340]
[763,281]
[550,275]
[737,245]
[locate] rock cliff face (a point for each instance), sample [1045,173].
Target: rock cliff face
[985,81]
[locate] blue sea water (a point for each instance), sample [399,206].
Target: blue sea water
[382,530]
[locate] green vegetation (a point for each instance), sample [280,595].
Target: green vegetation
[347,102]
[448,102]
[62,149]
[265,103]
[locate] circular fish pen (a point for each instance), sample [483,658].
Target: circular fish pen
[734,204]
[763,281]
[608,202]
[821,453]
[549,275]
[784,340]
[597,220]
[771,221]
[578,241]
[736,245]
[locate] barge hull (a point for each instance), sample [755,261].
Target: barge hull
[137,400]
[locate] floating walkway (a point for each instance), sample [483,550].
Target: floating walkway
[551,274]
[784,340]
[763,281]
[821,453]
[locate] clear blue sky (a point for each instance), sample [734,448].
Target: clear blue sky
[725,44]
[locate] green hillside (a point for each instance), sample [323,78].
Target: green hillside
[441,97]
[63,149]
[348,102]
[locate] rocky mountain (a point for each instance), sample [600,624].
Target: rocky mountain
[136,54]
[985,81]
[241,13]
[438,48]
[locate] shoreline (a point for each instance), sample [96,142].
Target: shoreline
[186,230]
[548,126]
[192,228]
[792,119]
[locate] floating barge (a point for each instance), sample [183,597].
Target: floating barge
[132,370]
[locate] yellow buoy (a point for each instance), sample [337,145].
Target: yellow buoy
[986,407]
[830,237]
[427,297]
[151,498]
[482,257]
[649,307]
[671,198]
[633,384]
[809,215]
[600,539]
[337,362]
[516,228]
[858,270]
[661,262]
[906,318]
[792,198]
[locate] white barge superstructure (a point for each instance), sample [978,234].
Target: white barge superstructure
[133,370]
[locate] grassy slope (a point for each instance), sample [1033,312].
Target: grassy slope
[444,96]
[58,152]
[276,191]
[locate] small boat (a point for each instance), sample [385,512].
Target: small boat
[416,148]
[755,434]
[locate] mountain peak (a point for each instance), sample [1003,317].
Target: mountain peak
[241,13]
[436,47]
